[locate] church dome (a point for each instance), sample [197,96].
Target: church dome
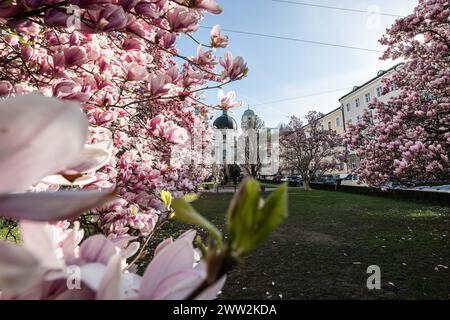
[248,113]
[225,122]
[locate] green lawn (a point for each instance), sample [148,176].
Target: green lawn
[323,249]
[7,234]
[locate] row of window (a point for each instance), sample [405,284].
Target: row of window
[338,124]
[358,118]
[350,121]
[367,98]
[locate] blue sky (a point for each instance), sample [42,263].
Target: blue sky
[281,69]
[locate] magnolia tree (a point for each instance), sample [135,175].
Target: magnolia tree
[141,95]
[53,261]
[308,149]
[409,139]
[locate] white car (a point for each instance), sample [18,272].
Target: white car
[353,181]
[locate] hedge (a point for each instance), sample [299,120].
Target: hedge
[275,184]
[430,197]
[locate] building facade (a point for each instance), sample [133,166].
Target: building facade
[356,102]
[333,120]
[351,110]
[248,120]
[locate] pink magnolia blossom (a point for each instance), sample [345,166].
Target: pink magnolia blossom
[309,150]
[92,158]
[31,150]
[28,53]
[204,57]
[41,267]
[75,56]
[182,20]
[167,129]
[209,5]
[56,18]
[408,140]
[146,9]
[227,100]
[112,17]
[234,68]
[70,90]
[157,85]
[8,10]
[175,272]
[136,72]
[218,40]
[5,88]
[101,65]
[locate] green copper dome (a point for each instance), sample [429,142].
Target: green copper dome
[225,122]
[248,113]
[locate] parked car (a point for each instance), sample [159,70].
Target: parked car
[352,180]
[443,188]
[327,179]
[294,181]
[277,178]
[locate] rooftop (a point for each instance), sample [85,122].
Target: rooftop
[379,74]
[225,122]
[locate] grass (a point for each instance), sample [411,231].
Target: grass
[323,249]
[10,233]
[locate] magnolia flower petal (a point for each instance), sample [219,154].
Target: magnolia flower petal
[51,206]
[39,136]
[18,267]
[93,157]
[131,284]
[41,240]
[163,245]
[131,250]
[111,286]
[57,179]
[176,257]
[189,235]
[84,293]
[71,242]
[97,249]
[92,274]
[122,240]
[212,291]
[179,285]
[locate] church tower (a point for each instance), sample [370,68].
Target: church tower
[248,120]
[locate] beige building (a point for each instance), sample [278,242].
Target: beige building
[351,110]
[356,102]
[334,120]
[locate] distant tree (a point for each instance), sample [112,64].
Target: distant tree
[309,150]
[409,139]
